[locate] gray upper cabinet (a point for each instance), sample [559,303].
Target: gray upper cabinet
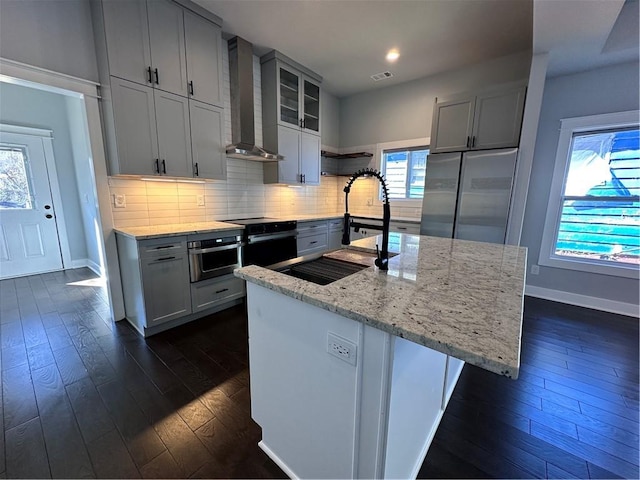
[126,32]
[498,119]
[168,54]
[291,120]
[174,134]
[484,120]
[136,147]
[204,59]
[452,125]
[154,57]
[207,144]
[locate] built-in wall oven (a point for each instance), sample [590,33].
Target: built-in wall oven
[213,256]
[267,241]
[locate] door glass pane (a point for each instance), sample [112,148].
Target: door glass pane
[311,106]
[289,107]
[15,191]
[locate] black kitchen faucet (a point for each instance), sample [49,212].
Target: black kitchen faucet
[382,262]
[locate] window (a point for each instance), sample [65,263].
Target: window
[14,185]
[404,169]
[593,219]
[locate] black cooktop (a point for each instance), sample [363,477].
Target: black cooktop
[258,226]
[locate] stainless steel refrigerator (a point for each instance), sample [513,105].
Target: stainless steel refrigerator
[467,195]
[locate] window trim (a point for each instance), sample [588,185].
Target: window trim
[397,145]
[569,127]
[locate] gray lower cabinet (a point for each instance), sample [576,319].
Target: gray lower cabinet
[335,233]
[209,293]
[155,280]
[312,237]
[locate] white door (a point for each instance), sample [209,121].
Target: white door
[28,232]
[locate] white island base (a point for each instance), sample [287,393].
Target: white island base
[372,413]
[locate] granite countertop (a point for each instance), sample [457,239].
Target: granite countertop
[172,230]
[458,297]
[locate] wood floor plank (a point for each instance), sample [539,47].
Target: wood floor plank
[91,414]
[11,334]
[19,401]
[13,357]
[68,457]
[34,332]
[58,337]
[189,407]
[26,452]
[143,442]
[110,457]
[162,466]
[40,356]
[70,365]
[596,456]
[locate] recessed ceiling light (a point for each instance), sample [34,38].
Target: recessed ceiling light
[392,55]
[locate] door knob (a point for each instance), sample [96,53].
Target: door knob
[47,207]
[48,215]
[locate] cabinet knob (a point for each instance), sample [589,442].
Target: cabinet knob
[191,88]
[195,169]
[157,164]
[473,141]
[150,74]
[157,76]
[164,167]
[468,141]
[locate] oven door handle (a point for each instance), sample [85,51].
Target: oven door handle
[198,251]
[265,237]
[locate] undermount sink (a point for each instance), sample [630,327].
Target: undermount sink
[329,267]
[323,270]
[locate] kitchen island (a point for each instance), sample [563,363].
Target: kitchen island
[351,379]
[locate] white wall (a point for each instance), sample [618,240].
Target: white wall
[36,108]
[52,34]
[605,90]
[404,112]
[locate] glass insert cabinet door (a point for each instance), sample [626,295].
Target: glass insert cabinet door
[289,98]
[311,119]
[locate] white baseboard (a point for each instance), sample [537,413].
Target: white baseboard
[277,460]
[596,303]
[85,262]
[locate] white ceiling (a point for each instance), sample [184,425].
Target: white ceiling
[586,34]
[345,41]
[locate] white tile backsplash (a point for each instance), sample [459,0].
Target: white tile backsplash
[243,194]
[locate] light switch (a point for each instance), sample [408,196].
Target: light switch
[200,200]
[119,200]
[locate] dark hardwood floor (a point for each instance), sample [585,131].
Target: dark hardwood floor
[84,397]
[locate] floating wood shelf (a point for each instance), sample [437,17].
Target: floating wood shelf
[340,156]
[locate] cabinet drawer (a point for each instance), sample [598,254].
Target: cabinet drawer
[208,293]
[162,246]
[309,228]
[312,243]
[336,225]
[401,227]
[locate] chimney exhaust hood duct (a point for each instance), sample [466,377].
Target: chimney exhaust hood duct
[242,123]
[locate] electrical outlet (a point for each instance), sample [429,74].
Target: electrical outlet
[341,348]
[369,202]
[200,200]
[535,269]
[119,200]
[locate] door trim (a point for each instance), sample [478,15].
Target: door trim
[42,79]
[46,137]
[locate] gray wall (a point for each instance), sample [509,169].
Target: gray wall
[52,34]
[87,192]
[606,90]
[330,119]
[404,111]
[35,108]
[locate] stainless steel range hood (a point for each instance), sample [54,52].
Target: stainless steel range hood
[242,123]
